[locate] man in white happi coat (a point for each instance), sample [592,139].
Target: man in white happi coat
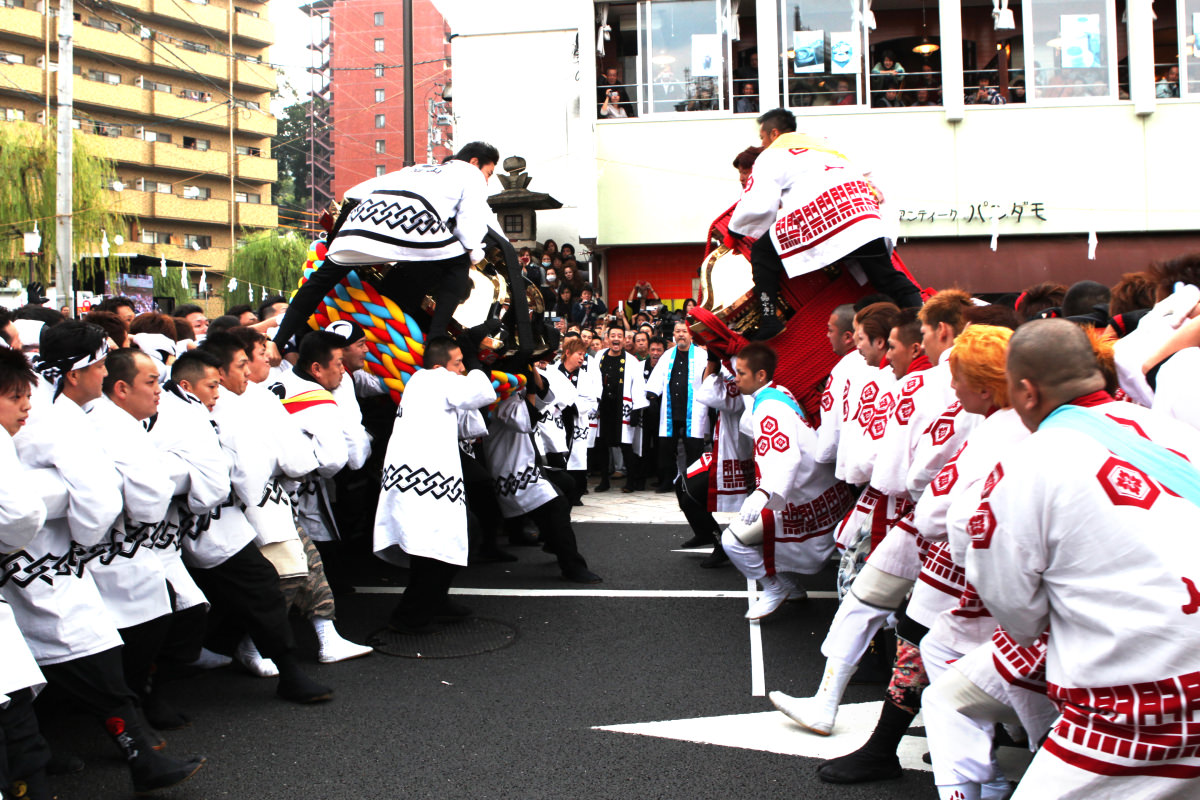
[1087,527]
[53,595]
[835,399]
[22,515]
[239,582]
[809,206]
[521,486]
[131,576]
[273,450]
[577,416]
[784,527]
[622,395]
[683,418]
[430,219]
[422,514]
[719,480]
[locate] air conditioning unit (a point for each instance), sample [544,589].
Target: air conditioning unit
[139,81]
[140,183]
[139,132]
[41,117]
[146,33]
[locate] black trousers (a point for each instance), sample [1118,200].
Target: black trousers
[483,510]
[873,257]
[142,643]
[604,460]
[428,588]
[24,754]
[667,460]
[553,521]
[245,597]
[692,494]
[95,684]
[407,282]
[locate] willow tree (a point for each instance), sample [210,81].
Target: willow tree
[28,166]
[265,260]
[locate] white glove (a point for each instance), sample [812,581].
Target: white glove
[1176,307]
[752,507]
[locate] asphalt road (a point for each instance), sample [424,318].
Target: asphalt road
[520,722]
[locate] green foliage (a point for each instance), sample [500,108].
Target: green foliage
[170,286]
[267,258]
[28,155]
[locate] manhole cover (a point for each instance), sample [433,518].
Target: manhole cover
[467,638]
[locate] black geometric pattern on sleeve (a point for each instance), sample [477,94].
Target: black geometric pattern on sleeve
[420,480]
[519,481]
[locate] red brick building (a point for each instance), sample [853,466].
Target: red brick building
[367,88]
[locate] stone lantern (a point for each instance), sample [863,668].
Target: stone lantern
[516,207]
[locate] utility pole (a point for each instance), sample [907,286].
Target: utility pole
[64,274]
[409,136]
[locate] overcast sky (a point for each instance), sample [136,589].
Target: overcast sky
[291,52]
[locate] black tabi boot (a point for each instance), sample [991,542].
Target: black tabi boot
[876,760]
[151,771]
[294,685]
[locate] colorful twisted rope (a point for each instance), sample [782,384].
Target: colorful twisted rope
[395,343]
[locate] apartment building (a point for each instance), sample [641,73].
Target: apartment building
[177,93]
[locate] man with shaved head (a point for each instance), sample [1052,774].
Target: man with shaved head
[1086,530]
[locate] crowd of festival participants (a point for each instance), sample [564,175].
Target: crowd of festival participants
[1009,488]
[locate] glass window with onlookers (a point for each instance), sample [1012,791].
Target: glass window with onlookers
[1175,53]
[1189,46]
[993,54]
[1073,49]
[821,62]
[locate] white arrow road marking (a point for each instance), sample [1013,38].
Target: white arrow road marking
[772,732]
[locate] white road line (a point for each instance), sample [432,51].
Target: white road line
[618,593]
[758,680]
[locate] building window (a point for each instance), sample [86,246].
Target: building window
[14,115]
[154,237]
[513,223]
[248,197]
[251,104]
[195,94]
[156,136]
[378,19]
[11,58]
[192,143]
[110,129]
[12,3]
[1074,50]
[155,86]
[381,145]
[196,193]
[103,24]
[380,170]
[248,12]
[100,75]
[378,70]
[379,45]
[250,58]
[197,242]
[246,150]
[379,95]
[196,47]
[687,55]
[380,120]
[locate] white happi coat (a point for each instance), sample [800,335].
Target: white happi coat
[855,456]
[1071,536]
[324,421]
[696,413]
[291,458]
[56,602]
[226,531]
[358,441]
[131,577]
[22,514]
[946,434]
[183,431]
[732,456]
[426,212]
[920,398]
[633,394]
[512,461]
[816,205]
[550,432]
[943,601]
[835,404]
[1177,387]
[587,399]
[805,499]
[422,508]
